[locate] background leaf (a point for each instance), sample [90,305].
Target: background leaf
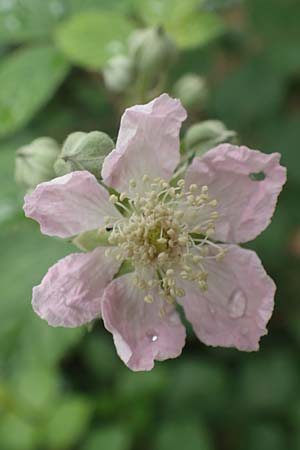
[28,20]
[90,38]
[109,438]
[186,22]
[26,255]
[28,79]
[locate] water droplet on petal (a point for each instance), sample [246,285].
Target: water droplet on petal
[237,304]
[152,335]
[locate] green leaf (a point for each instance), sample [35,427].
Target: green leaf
[109,438]
[25,339]
[10,195]
[32,20]
[28,79]
[194,30]
[69,422]
[16,433]
[29,20]
[126,267]
[84,5]
[161,12]
[89,240]
[92,37]
[187,435]
[35,389]
[183,20]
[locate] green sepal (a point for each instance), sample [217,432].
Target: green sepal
[126,267]
[205,135]
[89,240]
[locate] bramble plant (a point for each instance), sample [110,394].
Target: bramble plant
[123,125]
[169,231]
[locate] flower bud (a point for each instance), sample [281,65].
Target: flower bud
[152,51]
[205,135]
[84,151]
[192,90]
[118,73]
[34,162]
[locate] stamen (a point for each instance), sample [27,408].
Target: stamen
[113,199]
[155,235]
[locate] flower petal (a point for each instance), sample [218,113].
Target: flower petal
[69,205]
[238,304]
[140,334]
[148,143]
[70,293]
[246,204]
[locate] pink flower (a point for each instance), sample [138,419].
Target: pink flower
[165,230]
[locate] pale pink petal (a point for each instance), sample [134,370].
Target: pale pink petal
[69,205]
[70,293]
[140,334]
[148,143]
[238,304]
[245,206]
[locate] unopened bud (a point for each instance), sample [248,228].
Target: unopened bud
[118,73]
[192,90]
[84,151]
[34,162]
[205,135]
[152,51]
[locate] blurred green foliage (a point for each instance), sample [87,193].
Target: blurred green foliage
[67,389]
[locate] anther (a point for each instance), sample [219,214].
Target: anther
[203,285]
[162,240]
[170,272]
[180,292]
[113,199]
[193,188]
[148,299]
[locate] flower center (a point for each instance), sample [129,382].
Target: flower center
[165,234]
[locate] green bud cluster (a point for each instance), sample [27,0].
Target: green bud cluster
[205,135]
[150,54]
[34,162]
[152,51]
[192,90]
[43,159]
[118,74]
[83,151]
